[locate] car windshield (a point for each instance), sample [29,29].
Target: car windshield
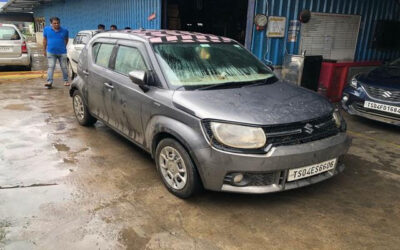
[193,66]
[8,33]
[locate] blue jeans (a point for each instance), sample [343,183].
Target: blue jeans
[52,60]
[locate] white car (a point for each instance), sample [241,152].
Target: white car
[13,48]
[74,49]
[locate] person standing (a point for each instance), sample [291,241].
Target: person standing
[55,40]
[101,27]
[113,27]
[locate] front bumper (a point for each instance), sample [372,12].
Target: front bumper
[215,165]
[23,60]
[355,106]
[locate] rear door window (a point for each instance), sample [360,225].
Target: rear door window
[8,33]
[128,59]
[104,54]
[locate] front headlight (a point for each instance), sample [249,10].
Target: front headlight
[338,118]
[237,136]
[354,82]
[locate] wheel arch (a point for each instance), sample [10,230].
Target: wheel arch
[161,127]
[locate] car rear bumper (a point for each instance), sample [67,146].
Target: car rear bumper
[23,60]
[270,171]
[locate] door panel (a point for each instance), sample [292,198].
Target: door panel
[98,75]
[128,98]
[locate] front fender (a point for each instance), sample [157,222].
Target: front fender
[190,135]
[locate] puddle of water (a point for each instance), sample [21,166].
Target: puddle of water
[16,214]
[22,107]
[61,147]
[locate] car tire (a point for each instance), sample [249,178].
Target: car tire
[29,67]
[71,73]
[172,159]
[81,111]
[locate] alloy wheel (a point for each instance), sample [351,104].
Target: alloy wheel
[173,168]
[79,108]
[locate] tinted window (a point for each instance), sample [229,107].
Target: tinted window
[104,54]
[8,33]
[129,59]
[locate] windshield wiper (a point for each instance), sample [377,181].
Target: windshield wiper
[221,85]
[240,84]
[263,81]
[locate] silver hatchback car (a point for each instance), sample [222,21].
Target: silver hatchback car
[13,48]
[209,112]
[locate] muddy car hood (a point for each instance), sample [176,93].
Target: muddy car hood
[275,103]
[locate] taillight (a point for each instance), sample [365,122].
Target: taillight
[23,47]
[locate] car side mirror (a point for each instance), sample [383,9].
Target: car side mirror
[138,77]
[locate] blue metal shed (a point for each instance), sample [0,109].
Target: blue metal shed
[77,15]
[273,49]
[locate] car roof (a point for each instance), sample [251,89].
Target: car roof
[88,32]
[172,36]
[8,25]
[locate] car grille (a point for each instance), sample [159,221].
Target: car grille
[302,132]
[359,106]
[286,134]
[383,94]
[253,179]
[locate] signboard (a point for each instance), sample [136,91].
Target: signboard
[334,36]
[276,26]
[293,30]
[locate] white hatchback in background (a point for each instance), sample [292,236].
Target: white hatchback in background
[13,49]
[74,49]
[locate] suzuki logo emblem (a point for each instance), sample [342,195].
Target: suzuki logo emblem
[308,128]
[387,94]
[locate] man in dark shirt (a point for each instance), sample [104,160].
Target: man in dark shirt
[55,40]
[101,27]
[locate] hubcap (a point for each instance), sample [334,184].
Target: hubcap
[173,168]
[79,108]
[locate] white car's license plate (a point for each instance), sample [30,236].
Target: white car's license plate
[382,107]
[303,172]
[5,49]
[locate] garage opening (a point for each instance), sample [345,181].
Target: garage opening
[219,17]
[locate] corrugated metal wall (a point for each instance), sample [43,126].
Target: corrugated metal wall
[273,49]
[78,15]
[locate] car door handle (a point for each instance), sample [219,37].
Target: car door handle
[109,86]
[86,73]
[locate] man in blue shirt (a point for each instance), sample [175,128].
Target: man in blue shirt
[55,40]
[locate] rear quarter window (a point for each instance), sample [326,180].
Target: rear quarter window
[8,33]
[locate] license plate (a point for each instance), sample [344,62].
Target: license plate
[304,172]
[5,49]
[382,107]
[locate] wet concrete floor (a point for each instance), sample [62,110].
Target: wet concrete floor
[64,186]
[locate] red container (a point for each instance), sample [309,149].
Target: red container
[333,77]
